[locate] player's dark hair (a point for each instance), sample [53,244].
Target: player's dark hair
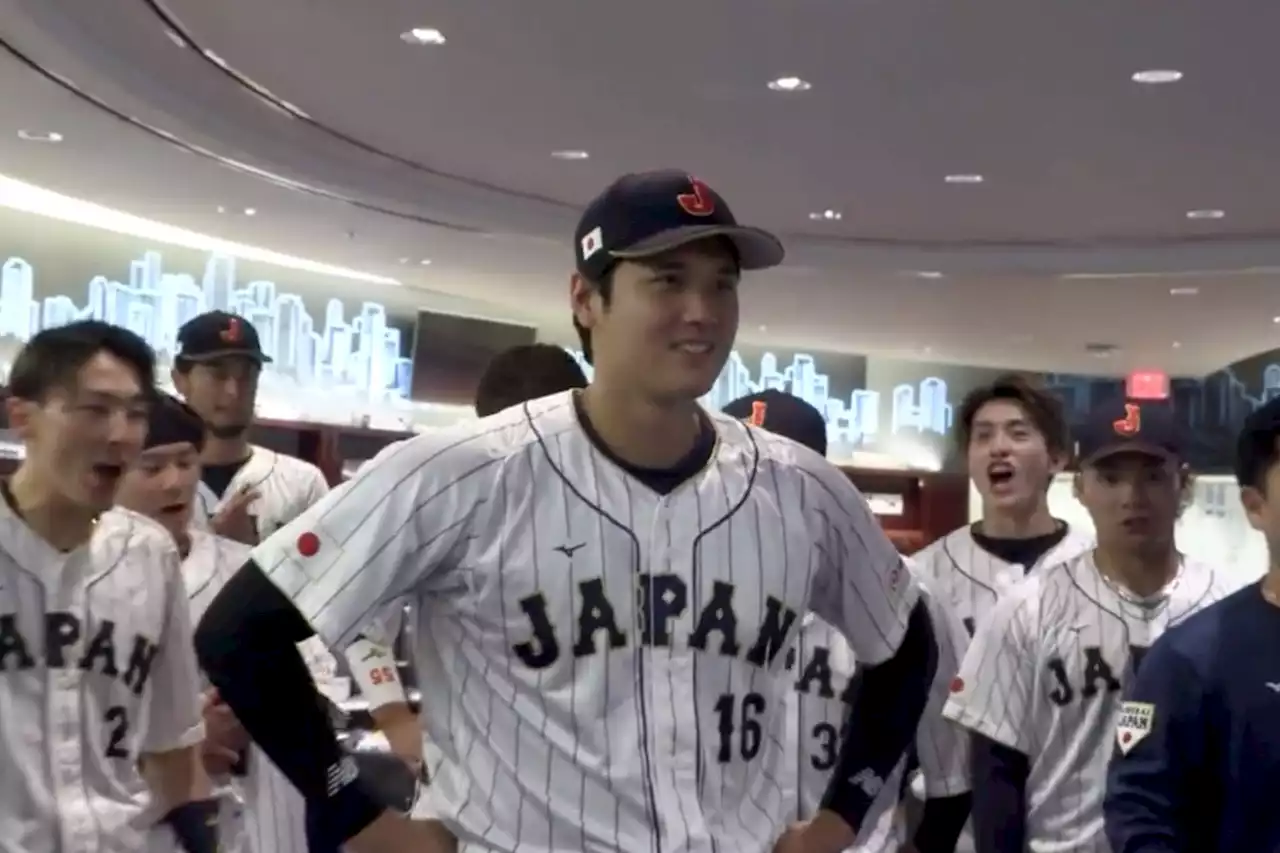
[1042,408]
[53,358]
[1256,446]
[526,373]
[605,288]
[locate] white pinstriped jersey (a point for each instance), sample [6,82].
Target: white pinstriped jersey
[969,579]
[823,674]
[96,669]
[287,486]
[604,661]
[1044,675]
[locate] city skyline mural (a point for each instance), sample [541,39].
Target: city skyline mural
[356,346]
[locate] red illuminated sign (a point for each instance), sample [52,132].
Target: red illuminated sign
[1147,385]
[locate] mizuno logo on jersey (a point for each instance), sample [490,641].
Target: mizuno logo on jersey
[62,642]
[661,600]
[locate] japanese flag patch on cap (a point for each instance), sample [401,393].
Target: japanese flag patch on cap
[1136,720]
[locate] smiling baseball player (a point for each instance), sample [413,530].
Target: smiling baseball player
[826,682]
[604,581]
[98,676]
[1040,685]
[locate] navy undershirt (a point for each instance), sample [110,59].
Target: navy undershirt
[218,477]
[1020,552]
[661,480]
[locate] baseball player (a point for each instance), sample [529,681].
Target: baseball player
[1040,685]
[1015,439]
[245,491]
[825,682]
[526,373]
[1198,742]
[98,678]
[162,485]
[605,583]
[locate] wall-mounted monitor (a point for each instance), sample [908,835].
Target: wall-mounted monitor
[450,354]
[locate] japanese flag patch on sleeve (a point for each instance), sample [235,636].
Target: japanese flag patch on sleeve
[1136,720]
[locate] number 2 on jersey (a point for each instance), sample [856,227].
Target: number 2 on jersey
[742,719]
[117,722]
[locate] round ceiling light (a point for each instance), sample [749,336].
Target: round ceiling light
[425,262]
[1156,76]
[250,211]
[571,154]
[964,179]
[1205,214]
[933,274]
[790,84]
[39,136]
[1184,291]
[422,35]
[826,216]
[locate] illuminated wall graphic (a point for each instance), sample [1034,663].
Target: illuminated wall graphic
[362,354]
[855,421]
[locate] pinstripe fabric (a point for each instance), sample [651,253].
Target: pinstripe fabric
[824,667]
[969,579]
[1044,676]
[599,662]
[286,487]
[274,814]
[96,668]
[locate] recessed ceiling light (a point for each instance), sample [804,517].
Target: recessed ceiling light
[1275,319]
[764,328]
[1177,344]
[570,154]
[250,211]
[1155,76]
[928,274]
[826,216]
[1205,214]
[1183,291]
[790,84]
[422,35]
[221,209]
[39,136]
[964,179]
[425,262]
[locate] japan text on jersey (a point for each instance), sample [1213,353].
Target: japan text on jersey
[824,678]
[286,486]
[96,668]
[603,660]
[1044,676]
[970,579]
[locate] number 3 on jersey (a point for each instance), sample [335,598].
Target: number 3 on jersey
[743,719]
[116,720]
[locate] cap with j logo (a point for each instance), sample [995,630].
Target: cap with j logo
[784,415]
[1126,426]
[219,334]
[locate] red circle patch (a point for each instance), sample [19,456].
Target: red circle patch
[308,544]
[957,684]
[1126,737]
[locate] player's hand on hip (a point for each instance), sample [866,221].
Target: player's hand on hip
[233,520]
[826,833]
[223,732]
[392,833]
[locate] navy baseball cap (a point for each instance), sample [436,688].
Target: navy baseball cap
[218,334]
[1130,427]
[648,213]
[785,415]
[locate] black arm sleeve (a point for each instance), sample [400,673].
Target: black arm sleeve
[999,797]
[247,644]
[883,717]
[941,823]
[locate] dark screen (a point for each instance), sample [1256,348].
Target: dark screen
[450,354]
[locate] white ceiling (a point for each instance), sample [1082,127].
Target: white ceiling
[361,150]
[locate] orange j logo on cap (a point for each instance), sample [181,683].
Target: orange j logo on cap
[758,409]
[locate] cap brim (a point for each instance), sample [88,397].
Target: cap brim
[757,249]
[252,355]
[1140,448]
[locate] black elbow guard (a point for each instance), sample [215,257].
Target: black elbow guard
[196,825]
